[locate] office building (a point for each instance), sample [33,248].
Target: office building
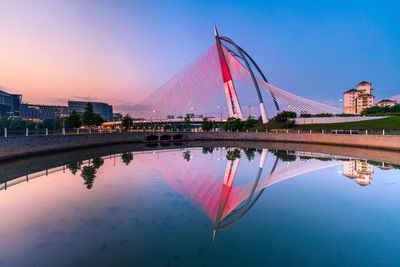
[10,105]
[103,109]
[117,116]
[42,112]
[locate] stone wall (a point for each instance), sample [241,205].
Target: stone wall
[300,121]
[23,146]
[391,142]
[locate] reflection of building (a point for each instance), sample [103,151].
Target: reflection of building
[355,101]
[360,170]
[103,109]
[41,112]
[386,103]
[10,104]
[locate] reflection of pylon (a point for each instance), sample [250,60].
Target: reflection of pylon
[230,174]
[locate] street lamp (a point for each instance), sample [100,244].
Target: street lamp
[220,110]
[340,103]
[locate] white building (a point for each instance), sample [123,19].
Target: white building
[356,100]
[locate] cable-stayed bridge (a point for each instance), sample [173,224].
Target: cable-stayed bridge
[224,81]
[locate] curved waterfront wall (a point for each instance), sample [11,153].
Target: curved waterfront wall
[23,146]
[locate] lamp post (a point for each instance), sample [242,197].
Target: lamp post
[340,103]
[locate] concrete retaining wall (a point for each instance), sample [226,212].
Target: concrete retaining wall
[391,142]
[23,146]
[301,121]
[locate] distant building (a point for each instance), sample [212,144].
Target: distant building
[356,100]
[103,109]
[386,103]
[360,170]
[10,105]
[42,112]
[117,116]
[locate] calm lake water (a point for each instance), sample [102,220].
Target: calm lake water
[201,206]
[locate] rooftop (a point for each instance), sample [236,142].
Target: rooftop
[351,90]
[363,83]
[387,100]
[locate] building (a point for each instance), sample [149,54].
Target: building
[103,109]
[117,116]
[386,103]
[10,105]
[360,170]
[356,100]
[42,112]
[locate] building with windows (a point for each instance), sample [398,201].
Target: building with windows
[117,116]
[386,103]
[42,112]
[360,170]
[356,100]
[10,105]
[103,109]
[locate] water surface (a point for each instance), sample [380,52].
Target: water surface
[201,206]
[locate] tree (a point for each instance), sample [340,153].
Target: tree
[325,114]
[186,120]
[98,120]
[74,167]
[88,174]
[48,123]
[88,117]
[97,163]
[250,153]
[284,116]
[233,154]
[249,123]
[127,122]
[284,155]
[232,124]
[127,158]
[187,156]
[206,125]
[207,150]
[305,115]
[73,120]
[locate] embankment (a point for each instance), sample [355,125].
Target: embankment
[24,146]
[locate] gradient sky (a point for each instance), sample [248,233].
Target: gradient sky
[120,51]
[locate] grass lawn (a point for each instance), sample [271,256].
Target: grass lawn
[386,123]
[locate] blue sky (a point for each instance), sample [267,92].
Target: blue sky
[127,49]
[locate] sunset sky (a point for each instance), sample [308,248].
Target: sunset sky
[120,51]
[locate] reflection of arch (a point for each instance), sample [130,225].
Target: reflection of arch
[178,137]
[152,137]
[165,137]
[218,197]
[238,213]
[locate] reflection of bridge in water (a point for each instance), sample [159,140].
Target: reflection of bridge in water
[218,197]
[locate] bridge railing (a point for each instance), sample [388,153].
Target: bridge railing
[7,133]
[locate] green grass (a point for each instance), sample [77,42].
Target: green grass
[392,123]
[386,123]
[270,125]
